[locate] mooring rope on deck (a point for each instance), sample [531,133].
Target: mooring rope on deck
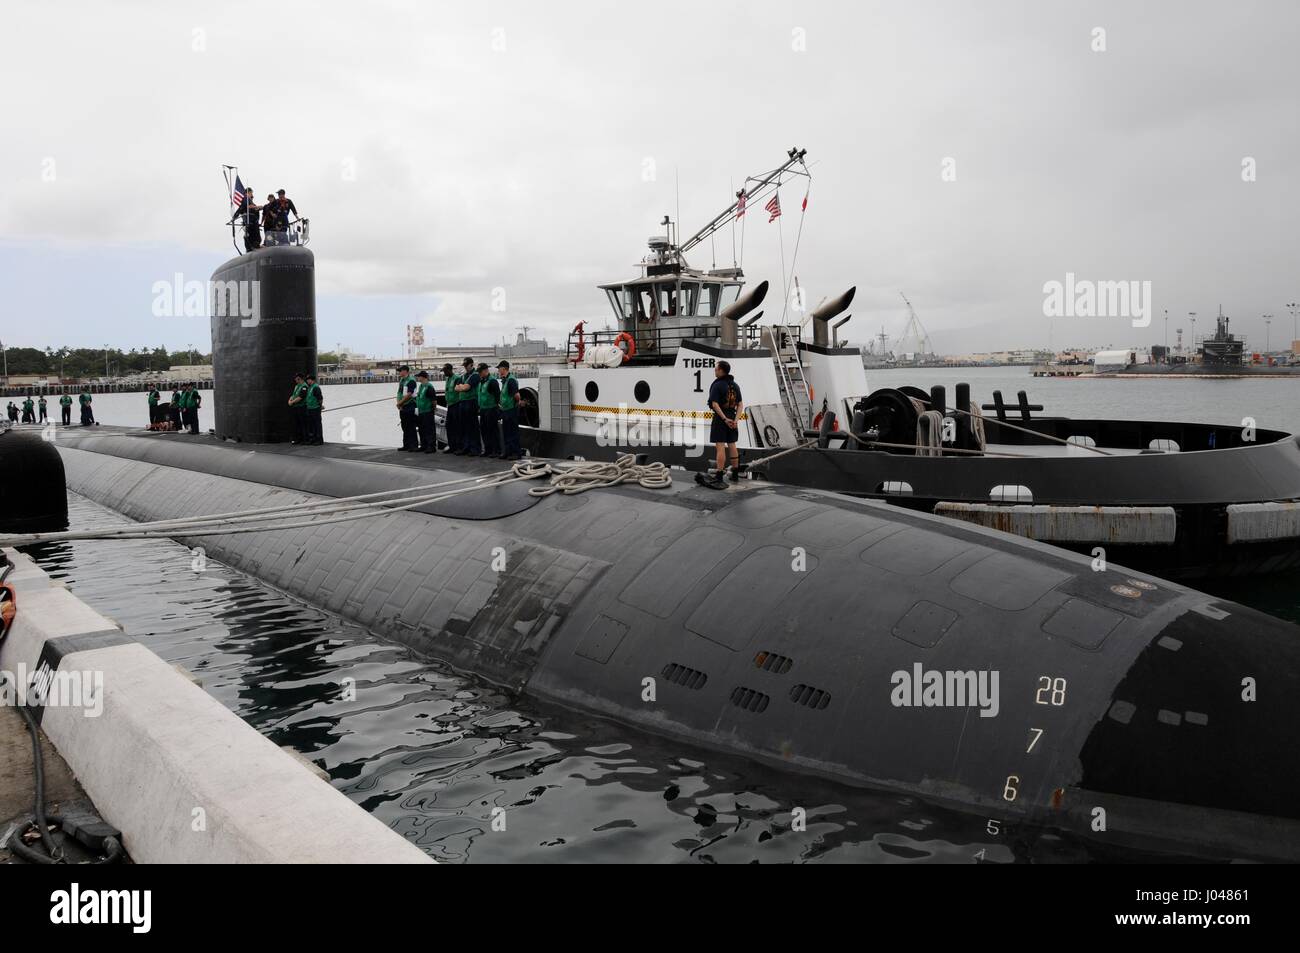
[566,477]
[579,476]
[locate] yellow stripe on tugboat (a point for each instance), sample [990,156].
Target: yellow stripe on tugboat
[649,412]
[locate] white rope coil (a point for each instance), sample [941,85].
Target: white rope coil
[579,476]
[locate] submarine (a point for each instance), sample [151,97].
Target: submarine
[808,630]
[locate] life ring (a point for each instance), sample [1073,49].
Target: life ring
[629,352]
[817,421]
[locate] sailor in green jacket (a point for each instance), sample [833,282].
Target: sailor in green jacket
[314,402]
[406,409]
[87,415]
[509,404]
[153,405]
[426,421]
[65,405]
[29,414]
[174,409]
[298,409]
[467,408]
[489,411]
[190,401]
[452,420]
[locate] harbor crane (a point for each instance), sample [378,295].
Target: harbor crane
[914,328]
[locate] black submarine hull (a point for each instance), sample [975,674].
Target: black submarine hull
[33,497]
[1198,488]
[799,628]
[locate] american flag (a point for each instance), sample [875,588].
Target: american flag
[740,204]
[773,207]
[237,196]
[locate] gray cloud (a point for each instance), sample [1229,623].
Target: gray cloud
[479,167]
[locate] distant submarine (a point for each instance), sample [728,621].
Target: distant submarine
[803,629]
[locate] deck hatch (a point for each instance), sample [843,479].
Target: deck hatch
[924,624]
[1082,623]
[602,638]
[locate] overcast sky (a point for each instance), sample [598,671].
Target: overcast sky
[443,150]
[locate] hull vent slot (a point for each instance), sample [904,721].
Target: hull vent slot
[686,677]
[810,697]
[771,662]
[749,699]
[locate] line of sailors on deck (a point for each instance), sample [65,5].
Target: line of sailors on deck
[28,411]
[482,411]
[27,414]
[181,414]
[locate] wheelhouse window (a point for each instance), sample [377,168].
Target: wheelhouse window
[646,305]
[667,297]
[710,300]
[683,298]
[615,303]
[689,298]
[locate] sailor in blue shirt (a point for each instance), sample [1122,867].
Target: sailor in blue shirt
[727,405]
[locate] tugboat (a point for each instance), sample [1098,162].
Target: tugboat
[1185,500]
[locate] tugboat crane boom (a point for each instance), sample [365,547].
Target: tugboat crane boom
[771,179]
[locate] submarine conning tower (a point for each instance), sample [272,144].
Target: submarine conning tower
[263,332]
